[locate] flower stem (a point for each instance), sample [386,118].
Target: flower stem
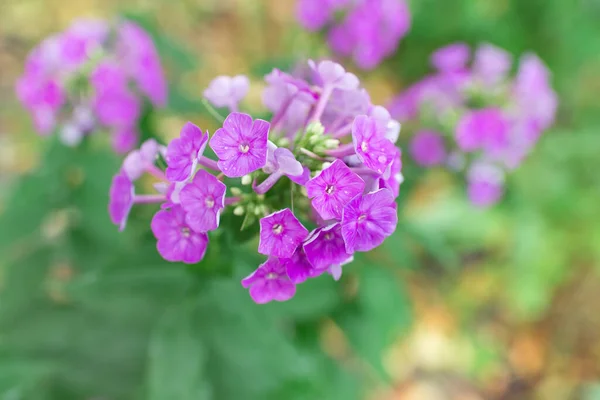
[342,151]
[212,111]
[156,172]
[208,163]
[323,99]
[231,200]
[268,183]
[149,198]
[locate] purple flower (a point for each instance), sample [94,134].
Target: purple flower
[491,64]
[303,178]
[385,123]
[451,58]
[241,144]
[203,199]
[486,129]
[107,77]
[485,184]
[371,147]
[280,234]
[395,178]
[368,220]
[138,55]
[138,161]
[314,14]
[298,268]
[176,241]
[269,282]
[117,108]
[120,199]
[427,148]
[326,247]
[282,160]
[124,139]
[333,188]
[334,75]
[184,152]
[227,91]
[535,98]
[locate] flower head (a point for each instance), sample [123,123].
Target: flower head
[184,152]
[491,64]
[326,247]
[280,234]
[333,188]
[334,75]
[202,200]
[138,161]
[427,148]
[370,144]
[368,220]
[176,241]
[241,144]
[485,184]
[227,91]
[451,58]
[269,282]
[120,199]
[486,129]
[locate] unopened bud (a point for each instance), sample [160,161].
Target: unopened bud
[239,210]
[236,191]
[316,128]
[331,143]
[246,179]
[325,165]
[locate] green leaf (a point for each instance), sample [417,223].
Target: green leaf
[177,358]
[377,316]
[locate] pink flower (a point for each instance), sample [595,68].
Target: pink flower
[269,282]
[183,153]
[241,145]
[203,199]
[371,146]
[280,234]
[176,241]
[333,188]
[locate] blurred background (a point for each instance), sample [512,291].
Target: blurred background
[459,303]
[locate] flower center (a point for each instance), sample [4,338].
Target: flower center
[328,236]
[277,229]
[271,275]
[364,146]
[209,202]
[329,189]
[185,231]
[244,148]
[362,217]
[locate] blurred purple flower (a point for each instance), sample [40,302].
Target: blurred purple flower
[120,199]
[227,91]
[427,148]
[451,58]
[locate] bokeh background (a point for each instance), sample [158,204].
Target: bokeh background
[459,303]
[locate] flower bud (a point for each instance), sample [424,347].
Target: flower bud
[246,179]
[239,210]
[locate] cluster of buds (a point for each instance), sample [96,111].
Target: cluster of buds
[318,182]
[369,31]
[475,117]
[92,76]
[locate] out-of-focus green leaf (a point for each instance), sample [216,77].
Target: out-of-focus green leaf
[380,313]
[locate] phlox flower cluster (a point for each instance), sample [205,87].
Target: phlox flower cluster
[93,76]
[474,116]
[368,31]
[318,181]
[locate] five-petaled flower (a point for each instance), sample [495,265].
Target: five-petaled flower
[270,282]
[241,144]
[280,234]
